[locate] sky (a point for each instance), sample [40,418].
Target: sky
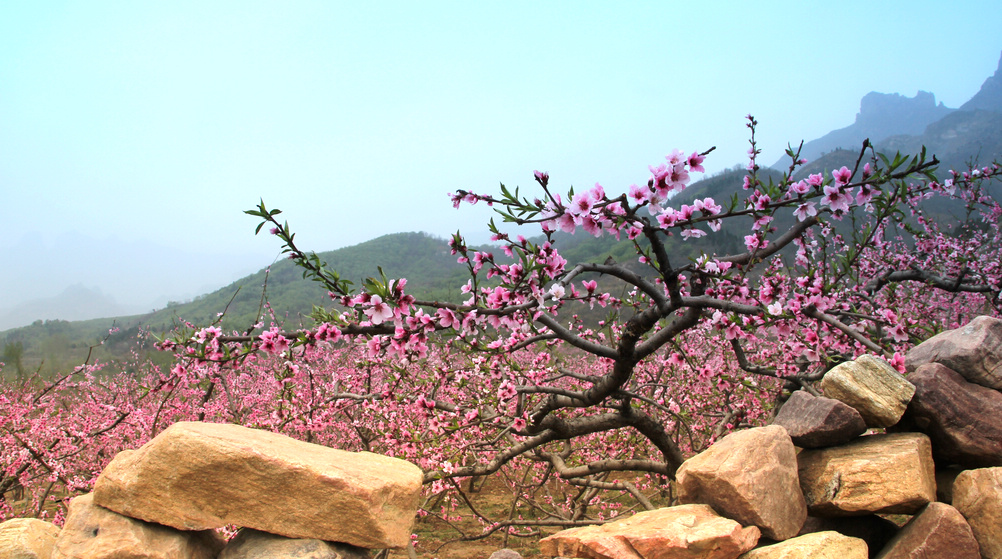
[133,135]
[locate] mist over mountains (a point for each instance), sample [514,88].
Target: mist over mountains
[892,121]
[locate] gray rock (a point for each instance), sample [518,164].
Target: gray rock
[814,422]
[963,420]
[973,350]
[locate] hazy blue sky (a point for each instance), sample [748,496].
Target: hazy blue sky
[133,133]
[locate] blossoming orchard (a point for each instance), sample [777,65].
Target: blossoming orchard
[580,419]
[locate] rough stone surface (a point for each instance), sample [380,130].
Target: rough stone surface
[685,531]
[963,419]
[93,532]
[872,386]
[252,544]
[891,473]
[815,422]
[872,529]
[973,350]
[938,531]
[505,554]
[749,476]
[977,494]
[195,476]
[27,538]
[818,545]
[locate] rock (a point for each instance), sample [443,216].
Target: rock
[253,544]
[872,529]
[814,422]
[977,494]
[974,351]
[93,532]
[505,554]
[685,531]
[872,386]
[891,473]
[749,476]
[195,476]
[818,545]
[937,531]
[27,538]
[963,420]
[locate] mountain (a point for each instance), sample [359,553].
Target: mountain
[76,302]
[989,98]
[880,116]
[957,137]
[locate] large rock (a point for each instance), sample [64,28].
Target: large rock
[872,386]
[27,538]
[938,531]
[750,476]
[195,476]
[974,351]
[93,532]
[252,544]
[815,422]
[963,420]
[875,474]
[876,531]
[817,545]
[682,532]
[977,494]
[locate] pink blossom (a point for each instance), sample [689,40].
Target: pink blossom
[805,210]
[799,188]
[693,233]
[639,194]
[581,204]
[675,157]
[836,199]
[842,176]
[696,162]
[379,311]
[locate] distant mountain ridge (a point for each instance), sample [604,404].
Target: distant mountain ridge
[989,97]
[76,302]
[896,123]
[880,116]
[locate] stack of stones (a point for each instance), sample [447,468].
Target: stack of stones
[292,499]
[882,466]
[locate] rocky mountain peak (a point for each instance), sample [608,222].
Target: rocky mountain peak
[885,114]
[989,97]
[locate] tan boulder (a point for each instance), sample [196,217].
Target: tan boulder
[195,476]
[817,545]
[938,531]
[682,532]
[878,392]
[252,544]
[93,532]
[977,494]
[879,473]
[749,476]
[27,538]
